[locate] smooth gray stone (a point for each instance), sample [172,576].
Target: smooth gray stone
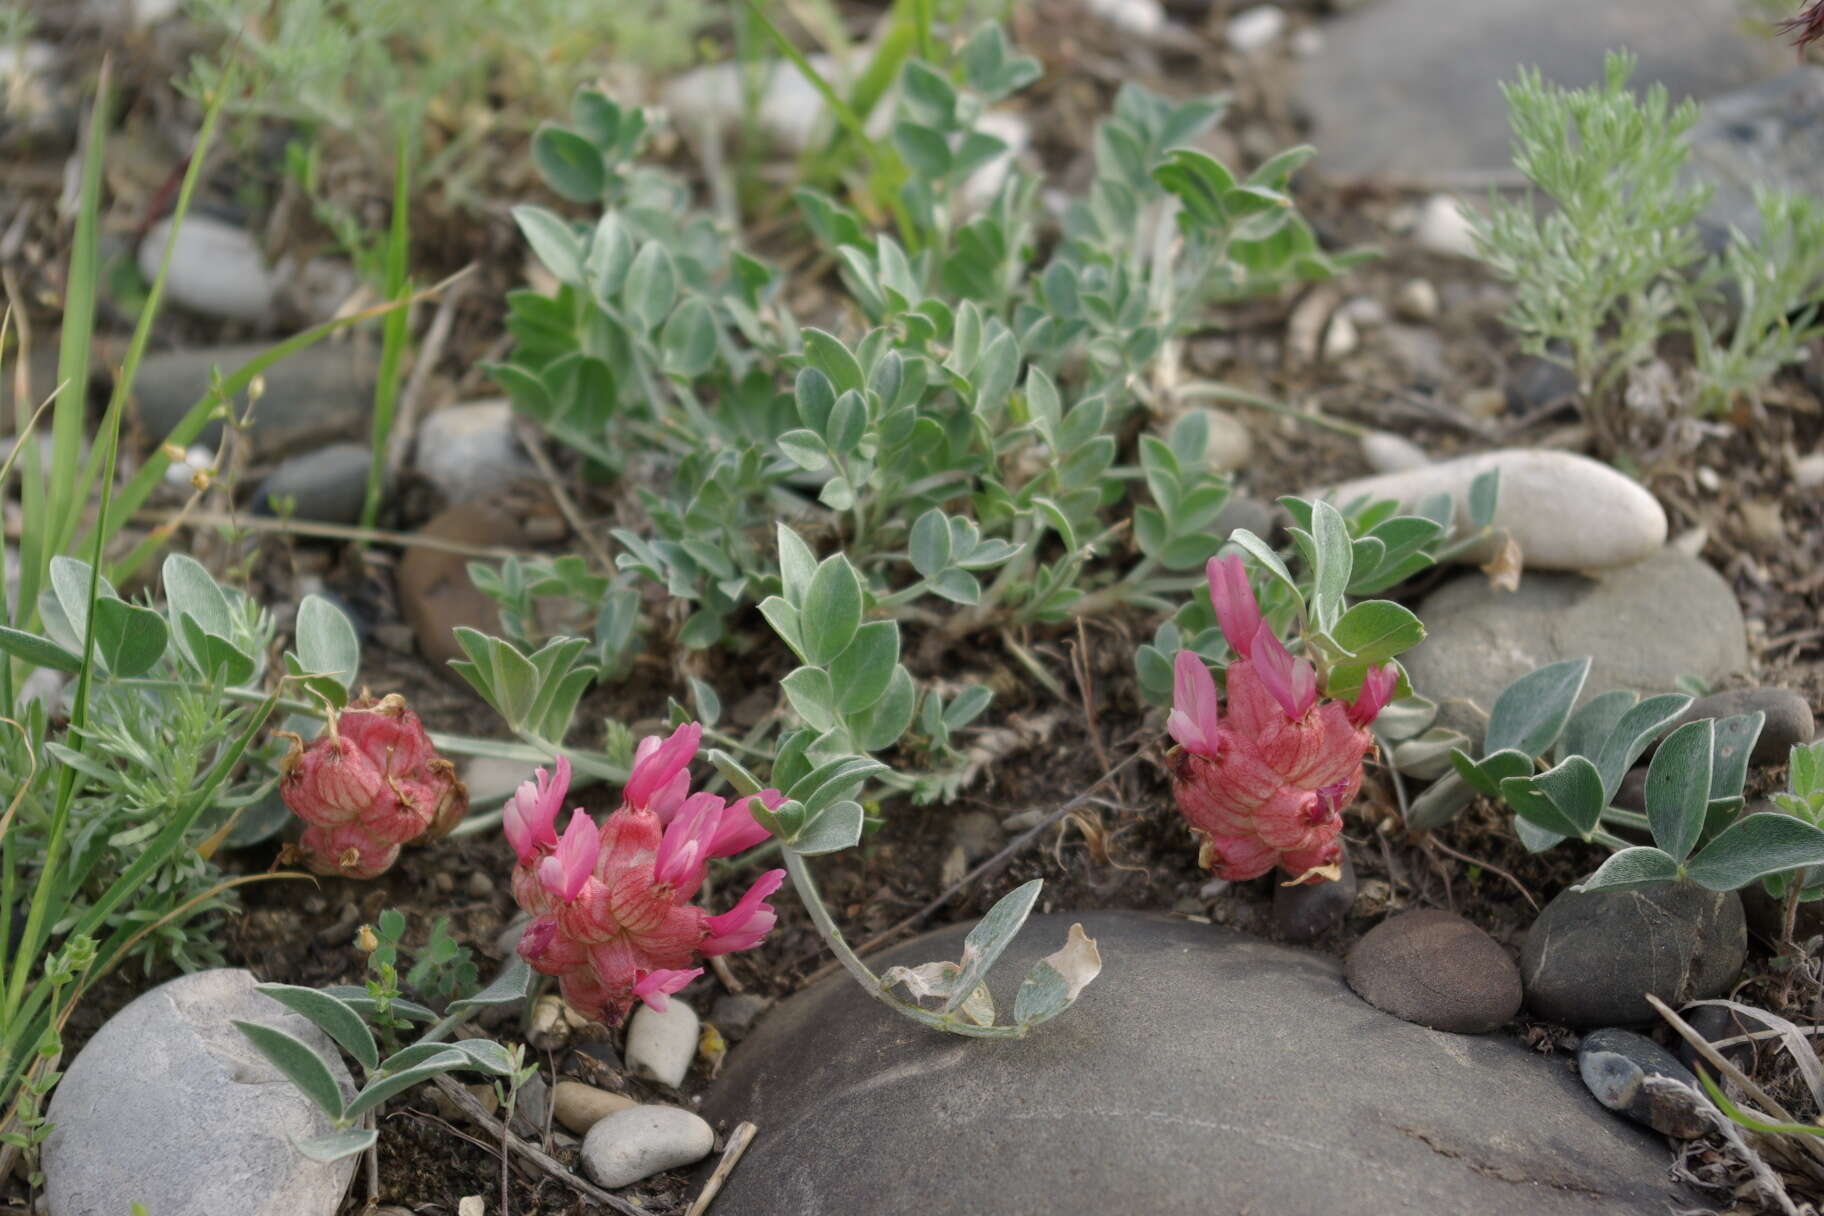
[172,1107]
[1644,625]
[1789,719]
[1414,86]
[322,393]
[326,486]
[1204,1072]
[1769,134]
[1615,1065]
[1310,910]
[1592,956]
[1433,967]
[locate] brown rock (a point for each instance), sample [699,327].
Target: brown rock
[435,592]
[1435,968]
[579,1107]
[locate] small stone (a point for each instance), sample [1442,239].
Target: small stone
[1366,311]
[1341,338]
[1592,956]
[1242,511]
[1143,19]
[479,885]
[322,393]
[1255,29]
[1444,228]
[580,1107]
[1389,453]
[737,1012]
[470,451]
[1789,720]
[1537,383]
[1566,512]
[641,1141]
[1230,443]
[326,486]
[532,1107]
[1615,1065]
[550,1029]
[169,1085]
[471,1205]
[216,269]
[1716,1023]
[1310,910]
[979,834]
[787,107]
[435,591]
[660,1046]
[1435,968]
[1417,300]
[1808,471]
[1419,351]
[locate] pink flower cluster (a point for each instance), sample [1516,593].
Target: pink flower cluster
[1267,785]
[612,914]
[368,784]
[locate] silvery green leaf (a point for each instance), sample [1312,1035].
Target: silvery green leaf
[809,691]
[569,163]
[1735,740]
[991,936]
[1531,712]
[1440,802]
[1427,756]
[831,612]
[1334,564]
[880,726]
[1678,787]
[929,544]
[1056,980]
[860,674]
[512,985]
[1636,867]
[327,645]
[189,590]
[1535,838]
[300,1063]
[651,287]
[337,1145]
[1594,722]
[1755,846]
[362,1002]
[553,242]
[1575,788]
[1374,631]
[486,1056]
[1406,718]
[837,828]
[797,565]
[40,652]
[1636,729]
[332,1015]
[1262,552]
[828,355]
[1535,805]
[379,1090]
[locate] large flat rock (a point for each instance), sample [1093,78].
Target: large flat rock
[1413,86]
[1205,1072]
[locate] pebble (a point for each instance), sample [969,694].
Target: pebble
[1716,1023]
[1567,512]
[1789,719]
[1808,471]
[1230,443]
[326,486]
[549,1029]
[1241,511]
[640,1141]
[435,591]
[978,834]
[1256,28]
[1341,338]
[736,1013]
[1419,352]
[321,393]
[1436,969]
[1386,452]
[1417,300]
[479,885]
[217,269]
[1443,227]
[471,1205]
[1135,18]
[470,451]
[660,1046]
[1592,956]
[532,1107]
[788,107]
[1309,911]
[580,1107]
[167,1088]
[1615,1064]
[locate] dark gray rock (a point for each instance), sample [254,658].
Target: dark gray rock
[1307,912]
[1789,719]
[1716,1023]
[1411,86]
[1644,625]
[326,486]
[322,393]
[1615,1065]
[1203,1072]
[1592,956]
[171,1107]
[1537,383]
[1768,134]
[1435,968]
[735,1013]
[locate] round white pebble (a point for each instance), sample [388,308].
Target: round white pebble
[638,1142]
[660,1046]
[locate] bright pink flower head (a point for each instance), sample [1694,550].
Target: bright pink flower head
[614,921]
[370,782]
[530,816]
[1265,784]
[1237,611]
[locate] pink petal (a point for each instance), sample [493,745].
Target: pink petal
[1193,721]
[654,986]
[1237,611]
[1293,682]
[656,765]
[738,831]
[565,871]
[685,849]
[747,923]
[1377,690]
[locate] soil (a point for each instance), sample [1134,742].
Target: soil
[1122,844]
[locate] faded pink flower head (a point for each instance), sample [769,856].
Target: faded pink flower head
[370,782]
[1266,785]
[613,919]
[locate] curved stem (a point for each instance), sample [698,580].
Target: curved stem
[870,983]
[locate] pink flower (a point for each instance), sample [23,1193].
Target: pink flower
[1266,784]
[530,816]
[370,782]
[613,917]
